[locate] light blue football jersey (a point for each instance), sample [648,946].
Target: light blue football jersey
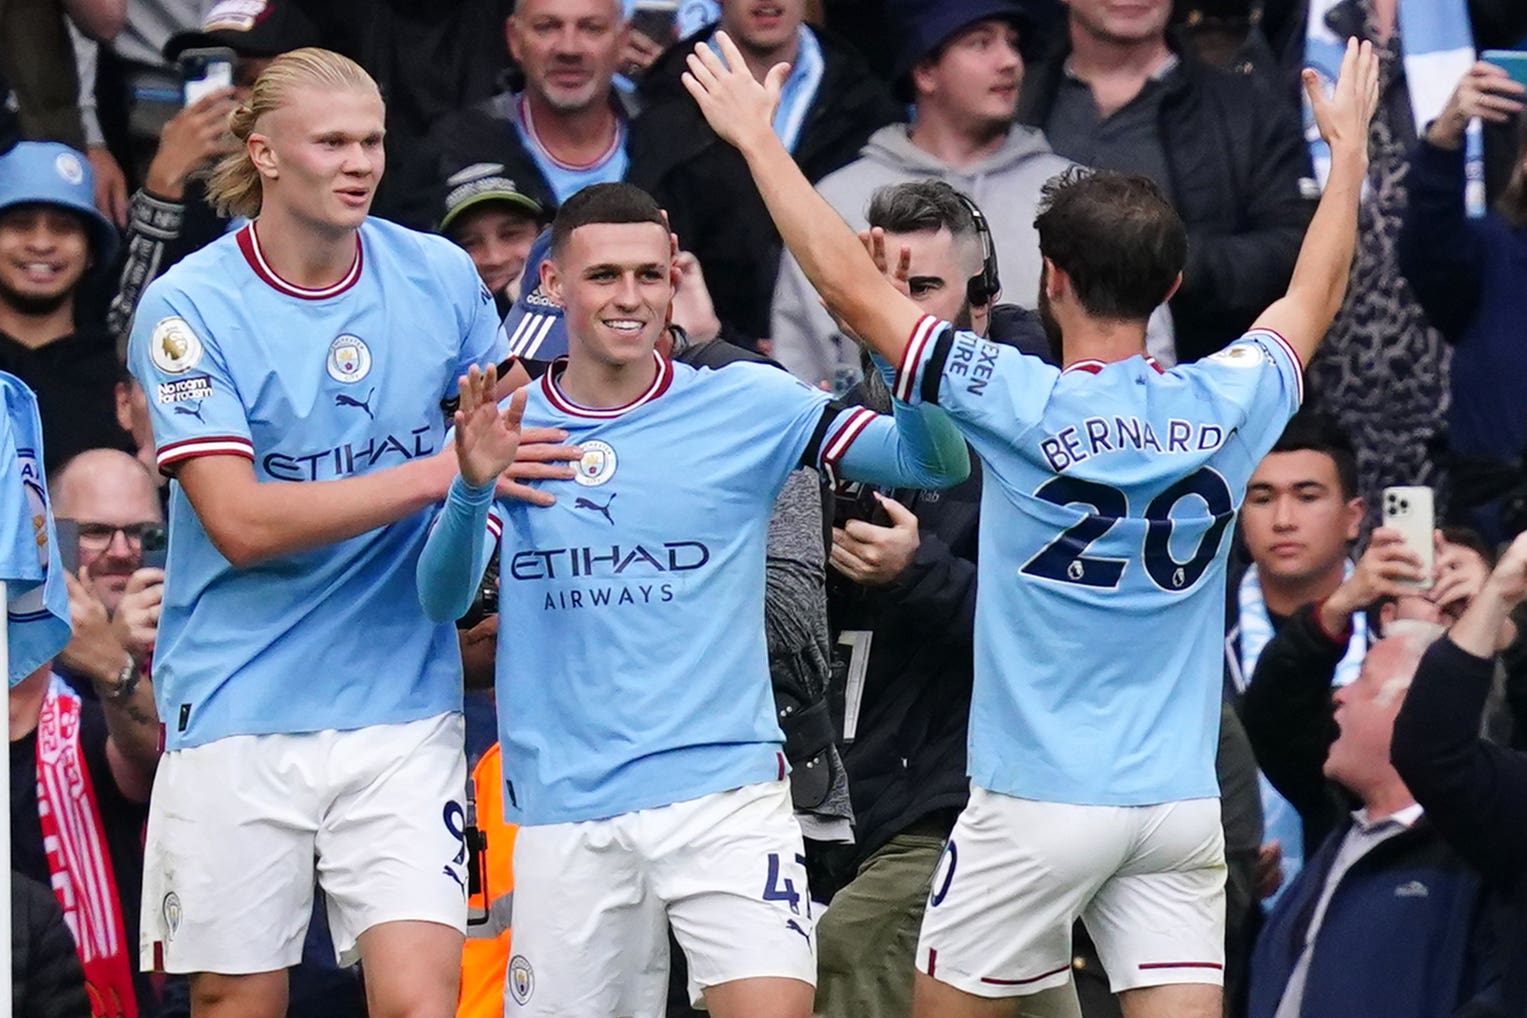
[1106,519]
[632,665]
[567,179]
[37,598]
[311,385]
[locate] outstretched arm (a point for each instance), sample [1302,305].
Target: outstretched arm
[741,110]
[1319,285]
[455,555]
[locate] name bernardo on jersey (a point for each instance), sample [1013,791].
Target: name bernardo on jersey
[1067,447]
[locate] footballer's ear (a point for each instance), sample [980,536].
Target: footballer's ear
[551,281]
[262,155]
[1054,280]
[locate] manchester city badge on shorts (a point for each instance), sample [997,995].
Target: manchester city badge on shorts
[171,910]
[522,979]
[173,347]
[349,359]
[597,465]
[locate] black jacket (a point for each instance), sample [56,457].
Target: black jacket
[705,185]
[908,760]
[483,133]
[1287,713]
[1474,792]
[1236,156]
[47,980]
[1407,933]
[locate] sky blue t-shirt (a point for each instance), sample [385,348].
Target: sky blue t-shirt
[310,385]
[1106,519]
[566,179]
[632,664]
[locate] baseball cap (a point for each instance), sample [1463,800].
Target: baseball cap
[479,183]
[47,173]
[925,25]
[252,28]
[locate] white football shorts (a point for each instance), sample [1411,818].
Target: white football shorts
[1149,882]
[593,901]
[239,829]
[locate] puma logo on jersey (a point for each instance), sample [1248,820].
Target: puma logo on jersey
[344,399]
[604,510]
[190,410]
[791,924]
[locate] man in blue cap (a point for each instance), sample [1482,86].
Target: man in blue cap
[51,237]
[961,63]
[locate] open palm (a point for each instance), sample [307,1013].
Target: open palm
[487,439]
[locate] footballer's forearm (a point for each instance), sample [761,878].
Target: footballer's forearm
[917,447]
[829,253]
[250,521]
[1325,257]
[456,552]
[1319,284]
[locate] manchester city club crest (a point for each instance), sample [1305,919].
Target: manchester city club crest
[349,359]
[597,465]
[522,979]
[171,910]
[173,347]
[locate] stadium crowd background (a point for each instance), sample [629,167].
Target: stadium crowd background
[495,116]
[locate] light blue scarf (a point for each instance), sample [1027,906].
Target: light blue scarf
[1438,49]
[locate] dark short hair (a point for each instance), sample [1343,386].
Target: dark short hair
[603,203]
[1116,236]
[921,205]
[1313,431]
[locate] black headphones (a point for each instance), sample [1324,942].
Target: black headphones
[980,289]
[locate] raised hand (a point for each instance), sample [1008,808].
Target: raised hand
[1509,580]
[486,439]
[874,244]
[1344,116]
[1485,91]
[737,107]
[1460,574]
[136,622]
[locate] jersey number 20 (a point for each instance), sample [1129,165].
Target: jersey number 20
[1065,559]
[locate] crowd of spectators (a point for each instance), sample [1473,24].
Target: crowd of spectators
[1374,791]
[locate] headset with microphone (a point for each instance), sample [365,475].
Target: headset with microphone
[981,289]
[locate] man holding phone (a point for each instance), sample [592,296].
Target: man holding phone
[1465,273]
[113,503]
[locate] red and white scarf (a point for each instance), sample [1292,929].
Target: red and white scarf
[78,860]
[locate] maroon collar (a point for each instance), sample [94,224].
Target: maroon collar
[559,400]
[249,244]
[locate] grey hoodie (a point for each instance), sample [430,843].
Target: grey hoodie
[1005,185]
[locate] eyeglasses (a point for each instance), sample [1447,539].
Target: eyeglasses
[98,536]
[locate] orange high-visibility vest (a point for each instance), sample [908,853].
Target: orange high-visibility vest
[485,958]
